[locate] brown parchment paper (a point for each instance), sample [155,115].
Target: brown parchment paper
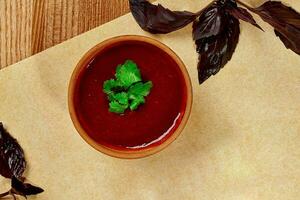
[241,143]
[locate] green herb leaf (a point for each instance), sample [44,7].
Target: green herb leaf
[142,89]
[128,74]
[122,98]
[136,102]
[116,107]
[109,85]
[127,90]
[137,92]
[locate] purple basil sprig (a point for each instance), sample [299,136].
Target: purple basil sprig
[216,27]
[12,166]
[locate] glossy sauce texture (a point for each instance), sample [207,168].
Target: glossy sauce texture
[154,121]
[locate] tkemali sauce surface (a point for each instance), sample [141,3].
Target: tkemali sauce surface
[154,121]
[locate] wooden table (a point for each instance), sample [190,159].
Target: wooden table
[30,26]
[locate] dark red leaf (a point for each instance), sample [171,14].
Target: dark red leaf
[284,19]
[243,14]
[157,19]
[12,161]
[288,44]
[216,43]
[211,22]
[24,189]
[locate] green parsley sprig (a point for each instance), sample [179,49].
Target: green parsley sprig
[127,90]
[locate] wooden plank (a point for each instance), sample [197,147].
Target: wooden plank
[30,26]
[15,30]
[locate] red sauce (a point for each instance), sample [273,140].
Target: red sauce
[154,121]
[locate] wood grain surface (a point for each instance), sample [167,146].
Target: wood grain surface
[30,26]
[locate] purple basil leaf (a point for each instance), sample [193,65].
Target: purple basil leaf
[24,189]
[12,161]
[288,44]
[243,14]
[217,43]
[285,20]
[211,22]
[157,19]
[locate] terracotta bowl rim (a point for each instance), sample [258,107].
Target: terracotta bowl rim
[136,153]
